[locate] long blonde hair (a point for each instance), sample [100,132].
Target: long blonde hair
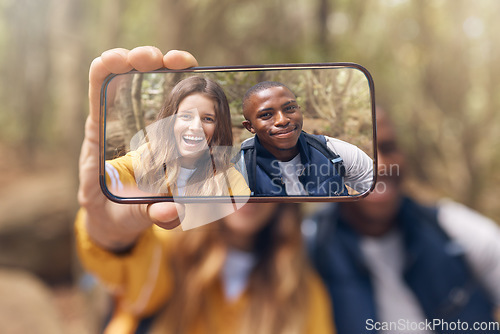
[158,167]
[277,292]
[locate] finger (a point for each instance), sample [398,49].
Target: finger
[145,58]
[116,60]
[97,73]
[89,191]
[116,226]
[177,60]
[166,215]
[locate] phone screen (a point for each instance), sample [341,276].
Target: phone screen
[301,132]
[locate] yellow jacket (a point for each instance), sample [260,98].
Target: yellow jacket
[120,173]
[141,282]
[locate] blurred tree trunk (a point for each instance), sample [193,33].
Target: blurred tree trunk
[447,87]
[27,67]
[136,101]
[323,13]
[128,105]
[69,74]
[111,21]
[123,105]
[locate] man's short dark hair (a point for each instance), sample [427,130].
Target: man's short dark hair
[263,85]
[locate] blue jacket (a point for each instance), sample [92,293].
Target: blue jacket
[435,271]
[322,173]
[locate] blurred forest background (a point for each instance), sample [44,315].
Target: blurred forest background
[434,63]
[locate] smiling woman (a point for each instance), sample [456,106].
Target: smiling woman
[194,128]
[186,151]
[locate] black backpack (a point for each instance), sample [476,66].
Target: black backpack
[316,141]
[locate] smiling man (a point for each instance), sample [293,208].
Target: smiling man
[281,159]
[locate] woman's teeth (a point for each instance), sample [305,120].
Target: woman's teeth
[192,139]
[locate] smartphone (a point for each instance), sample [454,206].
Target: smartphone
[237,134]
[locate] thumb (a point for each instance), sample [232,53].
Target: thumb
[166,215]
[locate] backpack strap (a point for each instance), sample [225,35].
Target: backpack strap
[248,153]
[319,143]
[249,156]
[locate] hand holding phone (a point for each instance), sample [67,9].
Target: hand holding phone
[110,225]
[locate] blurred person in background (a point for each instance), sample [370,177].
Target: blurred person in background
[387,258]
[244,274]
